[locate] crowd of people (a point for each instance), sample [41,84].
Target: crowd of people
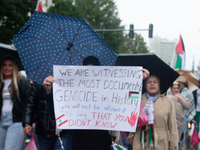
[25,103]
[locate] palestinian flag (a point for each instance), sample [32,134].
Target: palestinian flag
[133,95]
[180,52]
[39,6]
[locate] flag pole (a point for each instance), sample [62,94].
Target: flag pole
[37,5]
[173,59]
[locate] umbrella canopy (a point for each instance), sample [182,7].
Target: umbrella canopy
[192,80]
[8,52]
[49,39]
[155,65]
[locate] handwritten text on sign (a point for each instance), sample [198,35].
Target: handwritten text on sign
[97,97]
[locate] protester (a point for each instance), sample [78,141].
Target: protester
[86,139]
[15,91]
[196,95]
[180,103]
[189,114]
[45,125]
[161,130]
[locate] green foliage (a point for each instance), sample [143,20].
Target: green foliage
[136,45]
[94,12]
[13,16]
[65,7]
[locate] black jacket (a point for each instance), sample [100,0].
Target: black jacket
[36,112]
[18,105]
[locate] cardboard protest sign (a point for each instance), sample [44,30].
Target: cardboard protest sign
[97,97]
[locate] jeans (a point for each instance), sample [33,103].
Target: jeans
[53,143]
[126,144]
[11,134]
[181,143]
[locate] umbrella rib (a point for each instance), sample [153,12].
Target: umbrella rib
[63,57]
[70,57]
[57,27]
[47,61]
[77,31]
[78,53]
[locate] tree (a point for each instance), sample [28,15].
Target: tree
[65,8]
[136,45]
[94,12]
[13,16]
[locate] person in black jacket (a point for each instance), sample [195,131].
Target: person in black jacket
[85,139]
[36,112]
[15,91]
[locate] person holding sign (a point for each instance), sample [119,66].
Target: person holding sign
[83,139]
[86,139]
[161,116]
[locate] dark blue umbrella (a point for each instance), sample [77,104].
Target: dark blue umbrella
[49,39]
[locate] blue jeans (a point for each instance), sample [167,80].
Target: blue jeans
[126,144]
[53,143]
[181,143]
[11,134]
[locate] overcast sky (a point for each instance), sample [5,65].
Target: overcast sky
[170,19]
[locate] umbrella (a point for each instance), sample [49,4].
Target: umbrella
[151,62]
[192,80]
[8,52]
[50,39]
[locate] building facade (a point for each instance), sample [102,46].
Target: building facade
[164,49]
[46,4]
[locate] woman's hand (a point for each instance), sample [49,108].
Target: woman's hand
[48,82]
[145,73]
[177,95]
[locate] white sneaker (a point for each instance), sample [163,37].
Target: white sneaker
[27,140]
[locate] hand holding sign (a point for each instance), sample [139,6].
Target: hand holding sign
[48,84]
[145,73]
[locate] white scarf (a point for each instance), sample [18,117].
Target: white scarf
[148,108]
